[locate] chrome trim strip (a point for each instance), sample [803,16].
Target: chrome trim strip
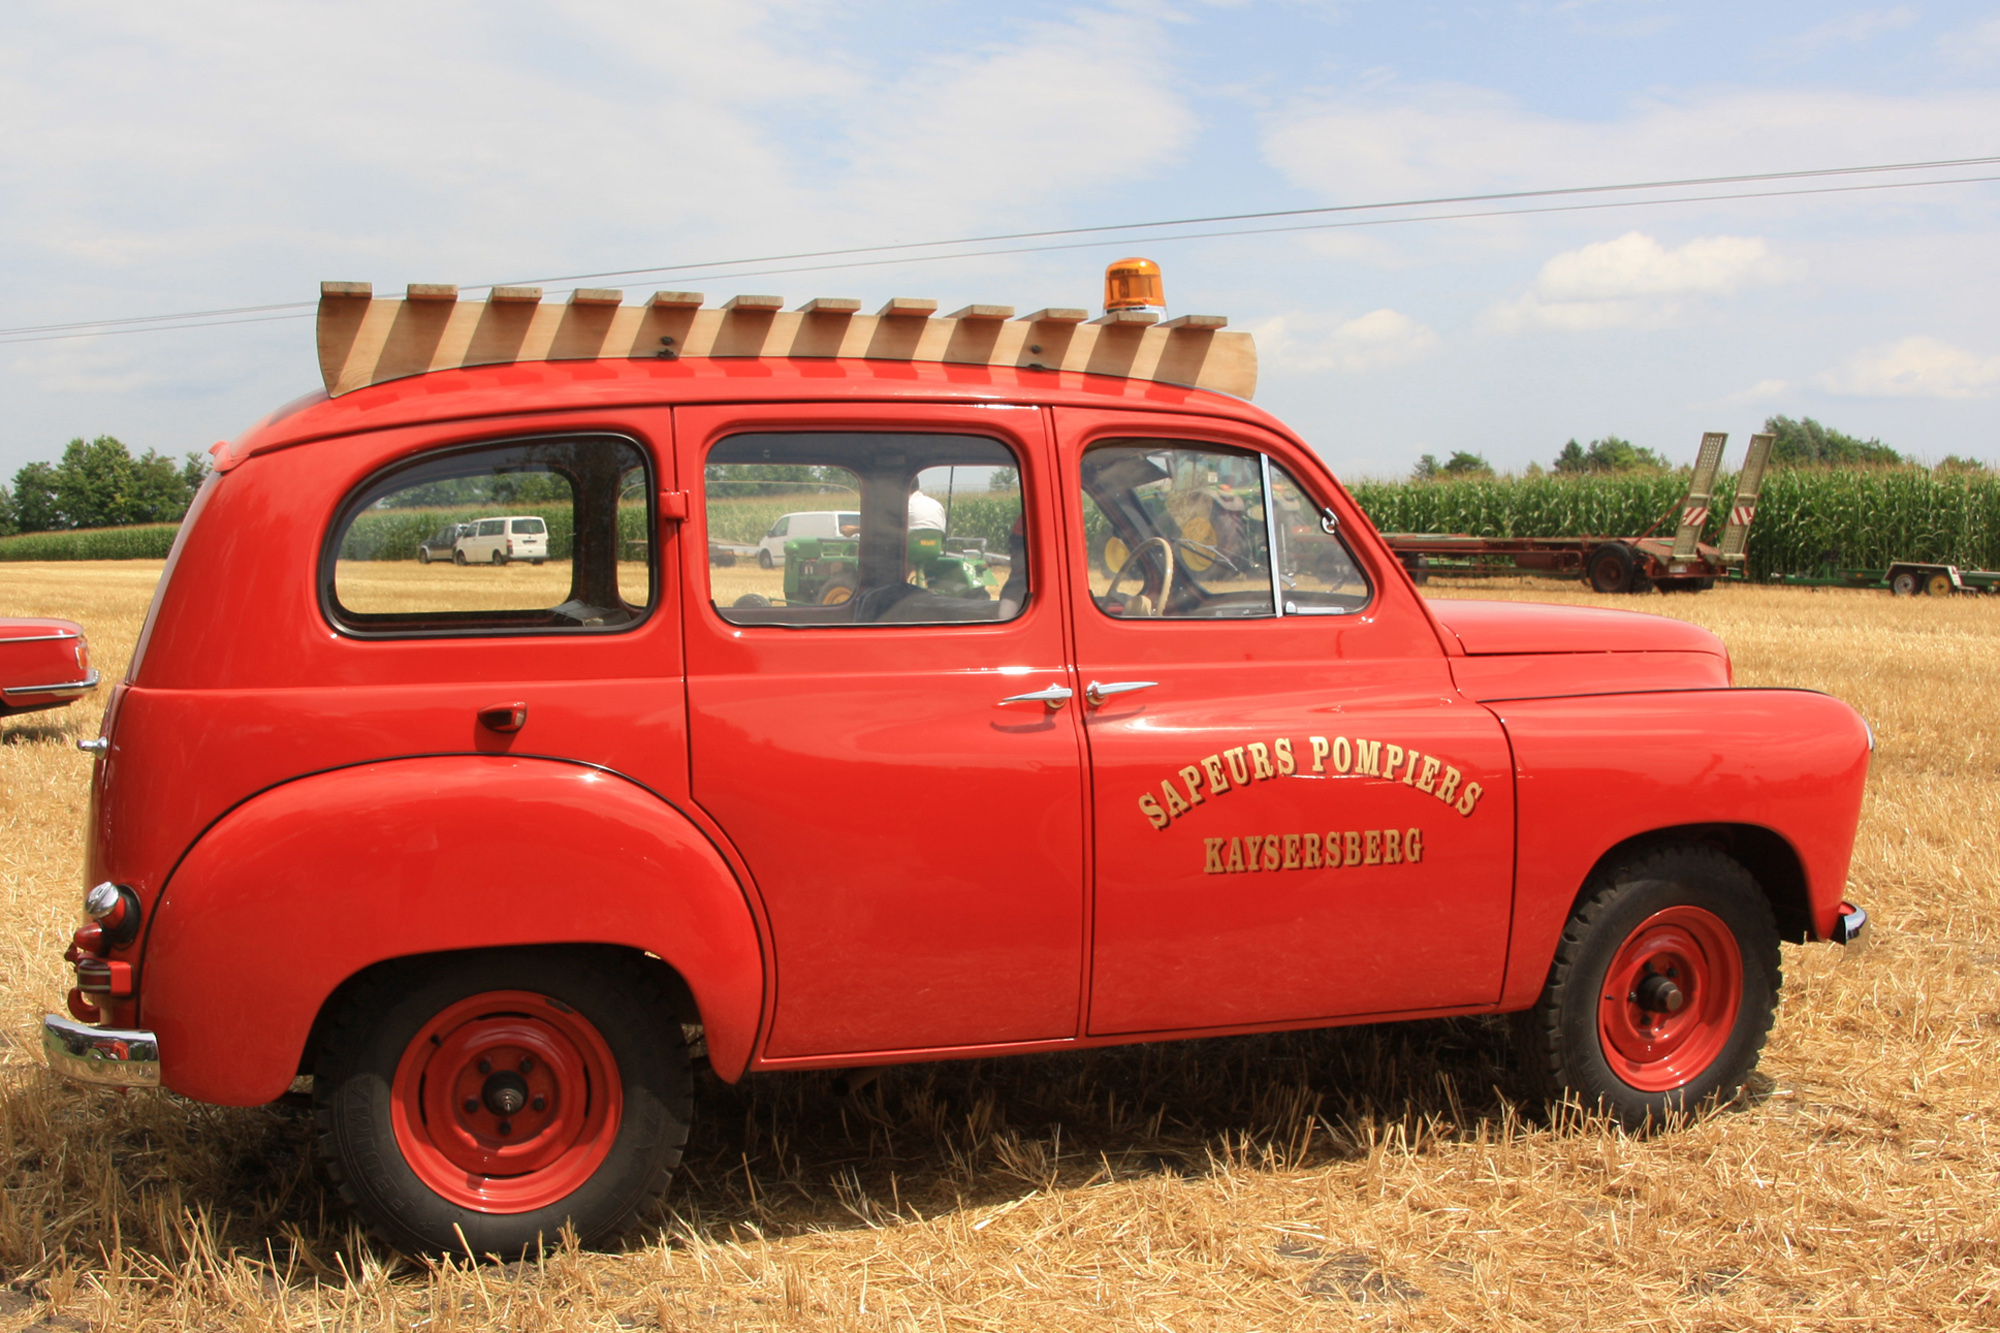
[1270,538]
[110,1057]
[41,638]
[73,688]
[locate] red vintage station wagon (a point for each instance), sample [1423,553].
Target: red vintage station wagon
[1123,726]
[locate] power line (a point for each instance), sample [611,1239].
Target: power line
[264,313]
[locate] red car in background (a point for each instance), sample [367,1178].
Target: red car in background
[43,664]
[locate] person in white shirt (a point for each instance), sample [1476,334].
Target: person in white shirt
[925,512]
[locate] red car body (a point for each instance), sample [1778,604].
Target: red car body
[43,664]
[286,806]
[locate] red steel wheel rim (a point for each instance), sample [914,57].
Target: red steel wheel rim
[506,1102]
[1653,1049]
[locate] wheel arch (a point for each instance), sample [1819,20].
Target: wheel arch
[685,1008]
[1770,859]
[301,890]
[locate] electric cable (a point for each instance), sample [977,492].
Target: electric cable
[199,319]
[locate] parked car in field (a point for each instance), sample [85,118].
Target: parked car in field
[476,856]
[495,541]
[442,544]
[43,664]
[829,524]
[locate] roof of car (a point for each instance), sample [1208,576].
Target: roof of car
[581,386]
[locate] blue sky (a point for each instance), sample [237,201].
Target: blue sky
[211,155]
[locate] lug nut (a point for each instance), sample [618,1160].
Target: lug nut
[506,1128]
[471,1105]
[540,1103]
[485,1066]
[527,1064]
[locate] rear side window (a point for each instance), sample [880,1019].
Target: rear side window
[568,545]
[864,528]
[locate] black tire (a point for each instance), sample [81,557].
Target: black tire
[499,556]
[1562,1042]
[423,555]
[1418,567]
[1611,568]
[1905,583]
[764,560]
[539,561]
[457,556]
[381,1019]
[838,589]
[752,599]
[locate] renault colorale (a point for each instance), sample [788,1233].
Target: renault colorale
[481,855]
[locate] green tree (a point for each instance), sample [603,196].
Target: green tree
[35,498]
[1806,443]
[1426,469]
[1463,464]
[10,522]
[1610,454]
[1953,463]
[94,483]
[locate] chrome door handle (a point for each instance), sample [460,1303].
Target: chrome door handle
[1055,696]
[95,745]
[1095,694]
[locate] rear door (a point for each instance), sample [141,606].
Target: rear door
[918,842]
[1296,815]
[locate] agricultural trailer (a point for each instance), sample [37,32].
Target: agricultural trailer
[1614,564]
[1904,578]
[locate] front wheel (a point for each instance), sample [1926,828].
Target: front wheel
[491,1099]
[423,555]
[1662,991]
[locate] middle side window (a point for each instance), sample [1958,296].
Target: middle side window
[864,528]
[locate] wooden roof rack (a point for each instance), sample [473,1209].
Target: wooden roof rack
[365,339]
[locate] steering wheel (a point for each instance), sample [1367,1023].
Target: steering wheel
[1146,606]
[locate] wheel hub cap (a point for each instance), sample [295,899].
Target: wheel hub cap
[1670,998]
[506,1101]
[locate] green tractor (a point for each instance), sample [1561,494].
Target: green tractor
[826,571]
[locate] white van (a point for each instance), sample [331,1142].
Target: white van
[495,541]
[813,523]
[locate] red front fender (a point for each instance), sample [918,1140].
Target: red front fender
[301,887]
[1592,773]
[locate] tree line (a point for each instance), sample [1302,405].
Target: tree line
[99,484]
[1802,443]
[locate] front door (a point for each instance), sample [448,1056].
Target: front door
[1297,816]
[917,841]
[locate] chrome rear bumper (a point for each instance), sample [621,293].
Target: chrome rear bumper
[68,689]
[1851,927]
[111,1057]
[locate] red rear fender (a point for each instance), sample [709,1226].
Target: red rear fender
[300,888]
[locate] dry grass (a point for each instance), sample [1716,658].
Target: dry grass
[1320,1180]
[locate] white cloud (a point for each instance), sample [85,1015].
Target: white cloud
[1914,368]
[1763,391]
[1635,282]
[1852,29]
[1977,45]
[1405,142]
[1306,343]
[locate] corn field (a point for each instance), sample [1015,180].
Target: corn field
[1856,518]
[146,541]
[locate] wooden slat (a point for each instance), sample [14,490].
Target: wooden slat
[365,341]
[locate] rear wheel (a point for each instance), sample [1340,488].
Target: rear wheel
[488,1100]
[1938,585]
[457,556]
[764,560]
[499,557]
[1662,990]
[838,590]
[1904,583]
[1611,568]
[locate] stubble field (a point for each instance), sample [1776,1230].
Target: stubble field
[1370,1176]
